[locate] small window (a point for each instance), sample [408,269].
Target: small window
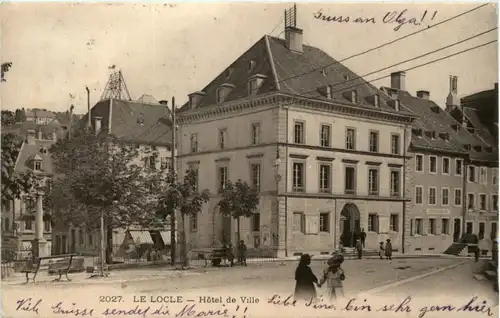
[298,132]
[298,177]
[373,181]
[223,177]
[299,222]
[419,226]
[394,222]
[222,138]
[193,222]
[458,167]
[432,164]
[255,175]
[165,163]
[419,195]
[419,163]
[194,142]
[445,226]
[325,136]
[373,222]
[483,178]
[255,134]
[469,228]
[446,166]
[373,147]
[350,139]
[395,183]
[445,196]
[324,222]
[255,220]
[472,174]
[325,179]
[395,142]
[432,196]
[482,202]
[482,228]
[38,165]
[350,180]
[458,197]
[432,226]
[471,201]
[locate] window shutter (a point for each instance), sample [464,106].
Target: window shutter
[303,223]
[376,225]
[424,226]
[411,226]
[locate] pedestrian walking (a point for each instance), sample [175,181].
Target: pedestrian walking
[388,249]
[359,249]
[381,251]
[363,237]
[242,253]
[333,275]
[305,280]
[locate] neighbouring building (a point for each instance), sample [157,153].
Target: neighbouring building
[39,116]
[18,217]
[326,149]
[442,150]
[474,113]
[147,125]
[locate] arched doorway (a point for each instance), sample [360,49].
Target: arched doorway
[350,224]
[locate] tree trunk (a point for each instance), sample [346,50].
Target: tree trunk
[185,261]
[109,244]
[238,227]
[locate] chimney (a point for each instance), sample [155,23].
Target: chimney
[398,80]
[195,98]
[40,135]
[452,100]
[293,38]
[31,137]
[97,125]
[423,94]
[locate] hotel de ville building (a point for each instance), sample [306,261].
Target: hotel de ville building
[326,149]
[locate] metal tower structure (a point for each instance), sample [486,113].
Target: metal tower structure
[116,87]
[291,17]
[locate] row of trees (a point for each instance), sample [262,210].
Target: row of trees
[101,175]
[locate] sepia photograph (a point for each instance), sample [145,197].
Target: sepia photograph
[246,159]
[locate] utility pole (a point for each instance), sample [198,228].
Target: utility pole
[88,106]
[174,170]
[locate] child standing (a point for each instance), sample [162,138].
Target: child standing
[381,250]
[333,275]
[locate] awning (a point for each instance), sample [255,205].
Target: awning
[166,237]
[141,237]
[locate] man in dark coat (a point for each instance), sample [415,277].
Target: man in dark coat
[242,253]
[359,249]
[363,237]
[388,249]
[305,279]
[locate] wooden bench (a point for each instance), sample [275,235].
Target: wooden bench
[59,267]
[213,255]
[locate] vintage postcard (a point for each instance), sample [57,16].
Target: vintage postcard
[249,159]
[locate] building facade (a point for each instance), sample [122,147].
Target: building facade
[146,125]
[327,153]
[444,153]
[19,222]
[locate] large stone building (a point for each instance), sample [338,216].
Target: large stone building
[326,149]
[147,125]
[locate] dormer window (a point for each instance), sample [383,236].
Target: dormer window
[254,83]
[223,91]
[489,149]
[444,136]
[43,150]
[37,165]
[456,127]
[251,65]
[195,99]
[395,104]
[478,148]
[468,147]
[433,135]
[417,132]
[346,77]
[376,100]
[140,119]
[354,96]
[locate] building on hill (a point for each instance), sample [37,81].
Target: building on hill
[19,218]
[326,149]
[448,160]
[147,125]
[39,116]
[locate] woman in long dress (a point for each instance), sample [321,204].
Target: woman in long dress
[305,280]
